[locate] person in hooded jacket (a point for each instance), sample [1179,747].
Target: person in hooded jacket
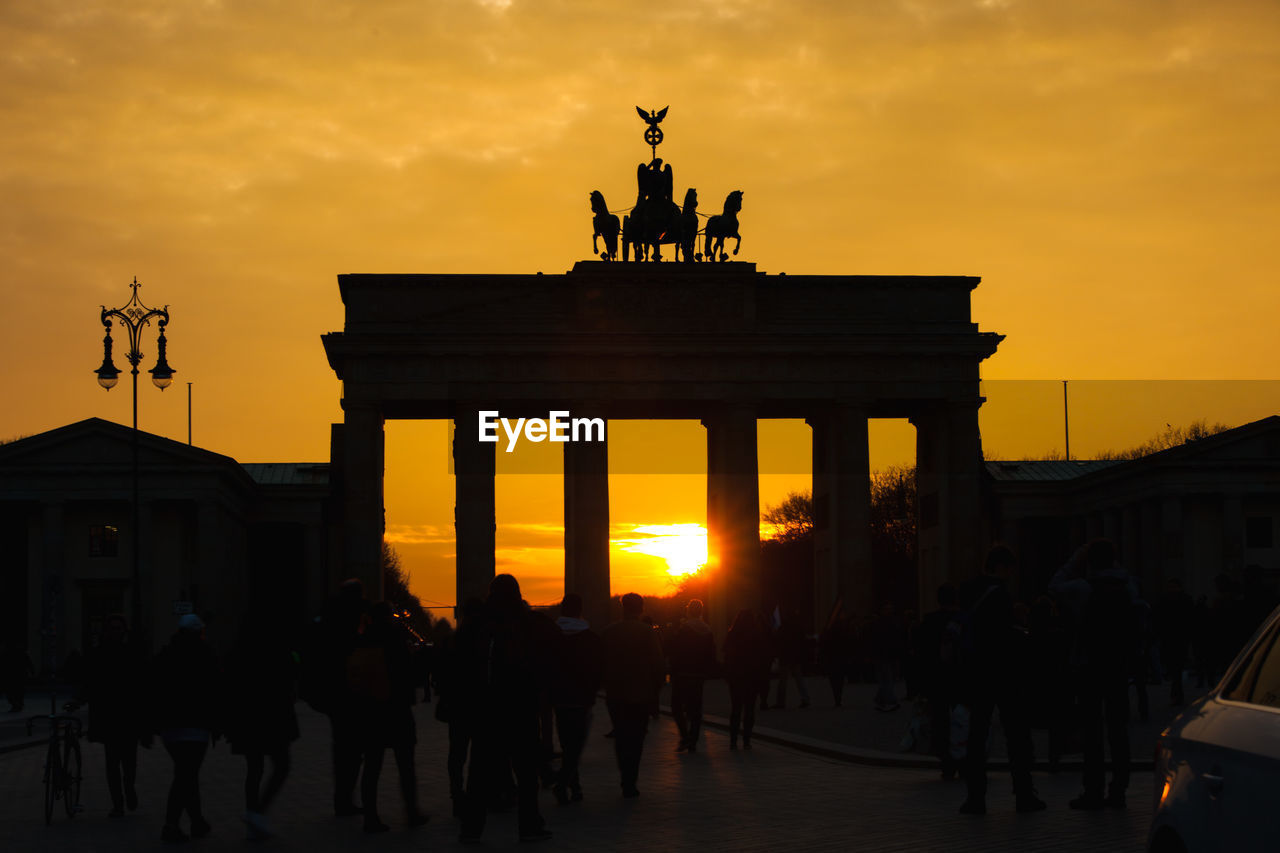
[573,692]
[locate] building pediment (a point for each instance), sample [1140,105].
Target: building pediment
[94,443]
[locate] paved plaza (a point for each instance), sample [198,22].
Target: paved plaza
[770,798]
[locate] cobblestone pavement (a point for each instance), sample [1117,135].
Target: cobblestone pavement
[766,799]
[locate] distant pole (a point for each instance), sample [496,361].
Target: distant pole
[188,414]
[1066,420]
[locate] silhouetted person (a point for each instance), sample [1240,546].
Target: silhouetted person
[1106,644]
[887,641]
[505,660]
[767,631]
[835,649]
[573,692]
[1049,679]
[450,706]
[746,657]
[383,680]
[325,687]
[936,668]
[693,661]
[1140,662]
[1173,620]
[633,676]
[15,669]
[989,643]
[115,679]
[262,677]
[188,692]
[793,653]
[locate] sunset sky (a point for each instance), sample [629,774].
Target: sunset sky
[1109,169]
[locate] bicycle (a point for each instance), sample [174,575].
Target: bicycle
[62,762]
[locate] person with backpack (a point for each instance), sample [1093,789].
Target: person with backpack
[382,679]
[986,641]
[1107,644]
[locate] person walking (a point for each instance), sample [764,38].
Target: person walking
[505,662]
[573,693]
[1106,645]
[887,640]
[262,676]
[324,685]
[633,676]
[188,692]
[793,652]
[937,673]
[1173,620]
[746,656]
[693,661]
[383,680]
[115,677]
[990,680]
[835,651]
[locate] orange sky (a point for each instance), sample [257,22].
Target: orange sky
[1108,168]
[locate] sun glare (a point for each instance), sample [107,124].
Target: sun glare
[682,546]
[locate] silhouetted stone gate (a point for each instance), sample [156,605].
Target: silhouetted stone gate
[720,343]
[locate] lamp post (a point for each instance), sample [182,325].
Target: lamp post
[134,316]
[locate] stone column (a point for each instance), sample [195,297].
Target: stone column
[733,516]
[586,527]
[842,514]
[474,520]
[363,519]
[949,496]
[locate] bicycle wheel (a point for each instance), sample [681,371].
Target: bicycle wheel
[71,774]
[52,772]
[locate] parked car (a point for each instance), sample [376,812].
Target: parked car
[1217,765]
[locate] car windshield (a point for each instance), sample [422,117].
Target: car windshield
[1257,680]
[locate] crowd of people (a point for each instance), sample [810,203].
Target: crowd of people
[509,681]
[1068,662]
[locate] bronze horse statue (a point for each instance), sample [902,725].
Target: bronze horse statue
[606,226]
[724,225]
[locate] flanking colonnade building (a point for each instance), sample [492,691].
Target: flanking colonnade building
[717,342]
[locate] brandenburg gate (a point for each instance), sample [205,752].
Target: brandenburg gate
[718,342]
[703,338]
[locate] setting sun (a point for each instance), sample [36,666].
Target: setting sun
[682,546]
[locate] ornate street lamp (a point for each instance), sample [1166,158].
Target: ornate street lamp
[133,317]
